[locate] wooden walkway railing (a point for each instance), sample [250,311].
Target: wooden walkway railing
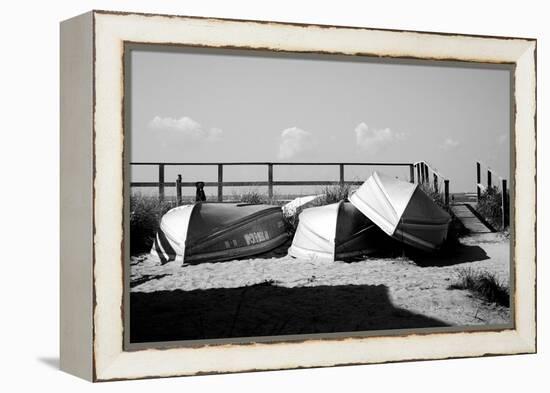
[480,188]
[161,184]
[424,171]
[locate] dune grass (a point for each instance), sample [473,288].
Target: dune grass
[145,215]
[335,193]
[484,285]
[255,197]
[490,207]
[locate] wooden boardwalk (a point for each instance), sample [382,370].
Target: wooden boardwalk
[470,219]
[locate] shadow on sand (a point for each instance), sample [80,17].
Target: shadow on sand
[459,253]
[266,310]
[146,278]
[449,255]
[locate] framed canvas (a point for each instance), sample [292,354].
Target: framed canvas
[246,195]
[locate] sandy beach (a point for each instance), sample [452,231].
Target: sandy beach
[283,295]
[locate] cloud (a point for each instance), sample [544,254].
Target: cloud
[187,127]
[294,141]
[449,144]
[215,135]
[374,140]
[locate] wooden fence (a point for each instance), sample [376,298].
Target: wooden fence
[417,171]
[432,179]
[493,180]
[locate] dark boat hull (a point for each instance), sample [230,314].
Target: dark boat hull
[216,232]
[356,235]
[255,235]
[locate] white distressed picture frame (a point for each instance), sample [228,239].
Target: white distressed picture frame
[92,197]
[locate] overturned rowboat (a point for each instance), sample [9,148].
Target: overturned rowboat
[335,231]
[215,232]
[403,211]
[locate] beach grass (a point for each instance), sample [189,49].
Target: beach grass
[490,207]
[145,215]
[484,285]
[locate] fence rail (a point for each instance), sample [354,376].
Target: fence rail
[422,169]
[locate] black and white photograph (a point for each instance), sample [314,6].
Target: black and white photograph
[277,195]
[208,196]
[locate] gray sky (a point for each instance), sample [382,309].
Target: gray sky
[198,106]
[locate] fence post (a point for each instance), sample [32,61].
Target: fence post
[478,182]
[411,173]
[427,174]
[270,181]
[220,181]
[436,187]
[178,189]
[446,181]
[489,179]
[504,204]
[161,182]
[341,175]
